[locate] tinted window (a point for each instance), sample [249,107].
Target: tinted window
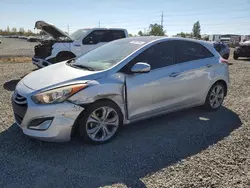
[217,47]
[157,56]
[97,36]
[189,51]
[116,34]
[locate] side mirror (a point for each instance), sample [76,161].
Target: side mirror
[141,67]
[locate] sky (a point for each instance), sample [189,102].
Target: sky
[215,16]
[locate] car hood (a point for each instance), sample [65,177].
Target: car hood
[57,75]
[51,30]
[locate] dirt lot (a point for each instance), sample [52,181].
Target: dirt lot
[192,148]
[16,47]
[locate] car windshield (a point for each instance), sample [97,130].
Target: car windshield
[79,33]
[109,54]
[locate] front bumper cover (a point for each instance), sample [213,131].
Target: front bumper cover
[64,116]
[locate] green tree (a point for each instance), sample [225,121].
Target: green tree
[182,34]
[14,30]
[197,30]
[21,31]
[140,33]
[156,30]
[28,33]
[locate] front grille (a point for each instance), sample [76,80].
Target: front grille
[19,104]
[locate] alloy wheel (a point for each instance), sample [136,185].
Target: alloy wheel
[216,96]
[102,124]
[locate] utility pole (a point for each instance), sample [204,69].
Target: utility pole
[162,19]
[68,28]
[99,24]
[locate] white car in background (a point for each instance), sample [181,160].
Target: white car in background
[62,46]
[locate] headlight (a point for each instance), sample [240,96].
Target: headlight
[57,95]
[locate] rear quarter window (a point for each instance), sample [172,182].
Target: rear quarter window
[190,51]
[116,34]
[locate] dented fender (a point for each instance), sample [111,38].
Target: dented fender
[110,88]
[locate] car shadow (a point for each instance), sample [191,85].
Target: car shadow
[140,149]
[11,85]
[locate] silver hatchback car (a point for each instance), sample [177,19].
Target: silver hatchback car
[118,83]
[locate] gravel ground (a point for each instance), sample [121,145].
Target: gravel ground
[16,47]
[191,148]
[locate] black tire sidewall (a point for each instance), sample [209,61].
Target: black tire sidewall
[207,103]
[84,116]
[235,56]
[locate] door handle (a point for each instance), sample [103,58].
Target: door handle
[208,65]
[174,74]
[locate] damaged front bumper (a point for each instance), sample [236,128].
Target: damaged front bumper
[53,122]
[50,122]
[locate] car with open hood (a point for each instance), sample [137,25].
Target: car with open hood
[118,83]
[62,46]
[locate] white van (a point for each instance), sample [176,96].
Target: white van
[61,46]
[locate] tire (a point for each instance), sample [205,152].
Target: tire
[226,56]
[92,130]
[212,94]
[235,56]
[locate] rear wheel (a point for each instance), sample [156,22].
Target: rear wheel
[215,96]
[100,122]
[235,56]
[226,56]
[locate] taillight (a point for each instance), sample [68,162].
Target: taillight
[224,61]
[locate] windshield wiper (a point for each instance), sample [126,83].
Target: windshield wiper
[83,67]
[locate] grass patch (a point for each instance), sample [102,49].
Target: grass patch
[15,59]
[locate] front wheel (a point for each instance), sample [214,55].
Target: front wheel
[215,97]
[100,122]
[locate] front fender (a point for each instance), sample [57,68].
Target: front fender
[112,88]
[57,48]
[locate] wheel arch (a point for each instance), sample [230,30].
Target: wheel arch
[85,106]
[61,53]
[222,82]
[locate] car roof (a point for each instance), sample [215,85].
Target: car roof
[149,39]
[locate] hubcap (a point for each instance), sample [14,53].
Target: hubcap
[102,124]
[216,96]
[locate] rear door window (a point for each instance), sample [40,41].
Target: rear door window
[218,47]
[117,34]
[97,36]
[190,51]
